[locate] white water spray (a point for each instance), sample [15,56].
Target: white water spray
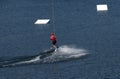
[66,52]
[63,53]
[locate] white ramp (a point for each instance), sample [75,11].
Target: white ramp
[42,21]
[102,7]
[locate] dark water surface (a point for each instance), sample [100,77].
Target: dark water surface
[77,23]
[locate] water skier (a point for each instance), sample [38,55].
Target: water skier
[53,39]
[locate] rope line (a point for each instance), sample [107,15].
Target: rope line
[53,16]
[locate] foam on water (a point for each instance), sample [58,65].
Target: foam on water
[65,52]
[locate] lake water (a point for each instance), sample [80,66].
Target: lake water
[88,40]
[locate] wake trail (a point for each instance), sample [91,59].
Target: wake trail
[66,52]
[63,53]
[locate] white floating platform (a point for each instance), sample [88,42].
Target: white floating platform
[102,7]
[42,21]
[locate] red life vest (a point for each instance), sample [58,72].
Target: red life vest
[53,37]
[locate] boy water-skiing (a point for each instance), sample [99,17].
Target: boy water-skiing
[53,39]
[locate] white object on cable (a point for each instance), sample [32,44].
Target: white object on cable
[102,7]
[42,21]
